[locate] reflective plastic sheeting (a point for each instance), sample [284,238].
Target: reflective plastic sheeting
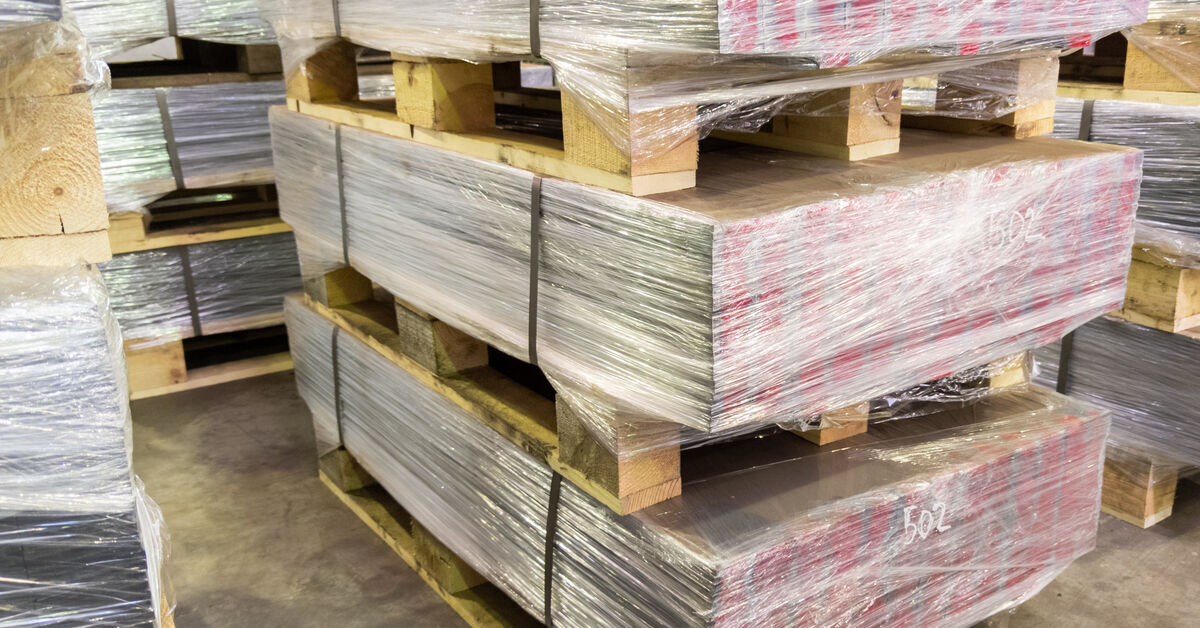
[113,26]
[1147,377]
[788,539]
[83,543]
[776,290]
[1171,37]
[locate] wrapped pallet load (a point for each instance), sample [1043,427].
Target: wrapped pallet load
[941,520]
[113,27]
[83,544]
[779,288]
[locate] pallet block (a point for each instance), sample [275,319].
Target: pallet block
[159,367]
[1160,295]
[1023,79]
[1136,489]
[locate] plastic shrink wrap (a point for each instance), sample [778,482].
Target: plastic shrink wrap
[1147,377]
[732,64]
[83,545]
[1171,37]
[219,132]
[887,530]
[238,284]
[779,288]
[1169,208]
[115,26]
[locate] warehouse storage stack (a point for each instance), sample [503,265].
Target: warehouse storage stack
[508,287]
[83,543]
[1144,369]
[202,259]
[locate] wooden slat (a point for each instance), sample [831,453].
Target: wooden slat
[1098,91]
[123,242]
[223,373]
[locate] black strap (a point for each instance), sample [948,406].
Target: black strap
[337,150]
[1063,382]
[535,30]
[1085,120]
[189,285]
[535,254]
[337,18]
[551,535]
[172,27]
[164,115]
[337,384]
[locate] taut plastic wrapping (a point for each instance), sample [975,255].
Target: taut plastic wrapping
[238,284]
[115,26]
[781,287]
[1169,208]
[734,63]
[83,544]
[937,521]
[1145,376]
[220,133]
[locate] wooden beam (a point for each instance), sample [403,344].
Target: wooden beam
[1136,489]
[656,142]
[444,95]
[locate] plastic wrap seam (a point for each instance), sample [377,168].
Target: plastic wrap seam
[164,115]
[189,286]
[551,539]
[535,251]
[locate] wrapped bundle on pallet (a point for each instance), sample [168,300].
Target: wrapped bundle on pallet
[886,530]
[154,141]
[112,27]
[1147,377]
[83,544]
[51,198]
[782,287]
[652,76]
[200,289]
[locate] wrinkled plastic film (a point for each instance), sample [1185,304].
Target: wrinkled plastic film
[83,542]
[43,53]
[650,65]
[1171,37]
[227,21]
[1145,376]
[134,159]
[781,539]
[113,27]
[238,284]
[718,309]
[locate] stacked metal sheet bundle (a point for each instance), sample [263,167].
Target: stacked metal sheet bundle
[82,543]
[201,289]
[950,518]
[781,287]
[112,27]
[1145,376]
[153,141]
[726,65]
[1169,208]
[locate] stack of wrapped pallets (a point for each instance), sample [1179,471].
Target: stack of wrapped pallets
[83,545]
[508,287]
[1144,367]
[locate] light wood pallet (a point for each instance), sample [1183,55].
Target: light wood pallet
[515,399]
[1120,70]
[452,105]
[181,62]
[195,216]
[1161,295]
[159,367]
[1136,489]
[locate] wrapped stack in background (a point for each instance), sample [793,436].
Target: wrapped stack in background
[114,27]
[885,529]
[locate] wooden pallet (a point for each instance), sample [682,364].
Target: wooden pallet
[194,216]
[478,602]
[160,367]
[515,399]
[452,104]
[1137,489]
[1119,70]
[181,62]
[1161,295]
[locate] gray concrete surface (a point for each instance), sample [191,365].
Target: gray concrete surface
[258,541]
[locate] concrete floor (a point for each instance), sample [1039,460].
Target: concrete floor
[258,541]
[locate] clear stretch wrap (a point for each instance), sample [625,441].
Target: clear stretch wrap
[1145,376]
[937,521]
[237,284]
[220,134]
[115,26]
[83,545]
[781,287]
[226,21]
[43,52]
[650,64]
[1169,208]
[1171,37]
